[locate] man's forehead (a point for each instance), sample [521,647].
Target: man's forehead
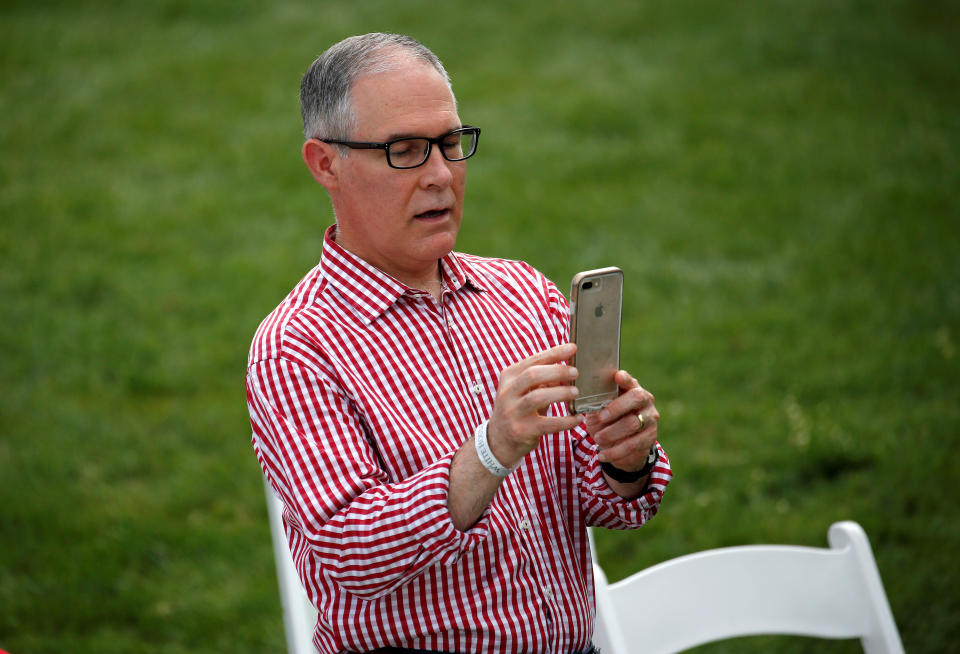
[404,100]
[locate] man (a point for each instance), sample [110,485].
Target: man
[407,401]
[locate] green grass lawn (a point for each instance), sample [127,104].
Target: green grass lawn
[778,181]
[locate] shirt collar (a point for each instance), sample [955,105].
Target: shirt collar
[373,291]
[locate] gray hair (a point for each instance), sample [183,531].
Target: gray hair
[325,102]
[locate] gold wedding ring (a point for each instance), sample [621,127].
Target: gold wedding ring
[643,422]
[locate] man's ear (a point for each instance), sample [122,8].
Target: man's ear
[323,162]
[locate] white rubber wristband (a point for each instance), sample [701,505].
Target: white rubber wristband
[486,455]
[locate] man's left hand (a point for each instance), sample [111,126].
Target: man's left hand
[617,427]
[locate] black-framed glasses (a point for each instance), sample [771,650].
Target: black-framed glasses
[413,151]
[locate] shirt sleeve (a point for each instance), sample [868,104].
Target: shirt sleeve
[602,506]
[368,533]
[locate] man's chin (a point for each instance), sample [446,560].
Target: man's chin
[441,242]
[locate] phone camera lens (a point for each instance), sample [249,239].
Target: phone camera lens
[587,285]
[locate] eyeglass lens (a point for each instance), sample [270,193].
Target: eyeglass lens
[410,153]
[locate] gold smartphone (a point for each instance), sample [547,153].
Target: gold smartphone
[596,300]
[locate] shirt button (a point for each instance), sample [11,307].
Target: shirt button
[548,592]
[524,524]
[475,387]
[450,323]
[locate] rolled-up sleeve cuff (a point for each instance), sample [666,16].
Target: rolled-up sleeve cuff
[628,513]
[427,515]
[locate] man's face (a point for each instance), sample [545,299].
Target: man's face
[401,221]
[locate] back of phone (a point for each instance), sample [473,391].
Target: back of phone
[596,298]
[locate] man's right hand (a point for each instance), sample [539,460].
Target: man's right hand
[525,392]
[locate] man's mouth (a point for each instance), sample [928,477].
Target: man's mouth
[432,213]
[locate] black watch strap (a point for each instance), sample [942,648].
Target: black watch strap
[628,476]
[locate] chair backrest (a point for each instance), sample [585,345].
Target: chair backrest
[299,615]
[608,635]
[751,590]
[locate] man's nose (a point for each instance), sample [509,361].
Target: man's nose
[436,169]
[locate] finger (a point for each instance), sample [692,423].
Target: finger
[544,375]
[631,452]
[628,382]
[632,401]
[627,426]
[552,355]
[540,398]
[625,380]
[523,431]
[614,433]
[554,424]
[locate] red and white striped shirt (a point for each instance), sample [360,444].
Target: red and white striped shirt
[360,391]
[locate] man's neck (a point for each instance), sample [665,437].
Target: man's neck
[431,280]
[435,286]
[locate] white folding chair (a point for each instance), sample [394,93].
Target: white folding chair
[751,590]
[698,598]
[299,615]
